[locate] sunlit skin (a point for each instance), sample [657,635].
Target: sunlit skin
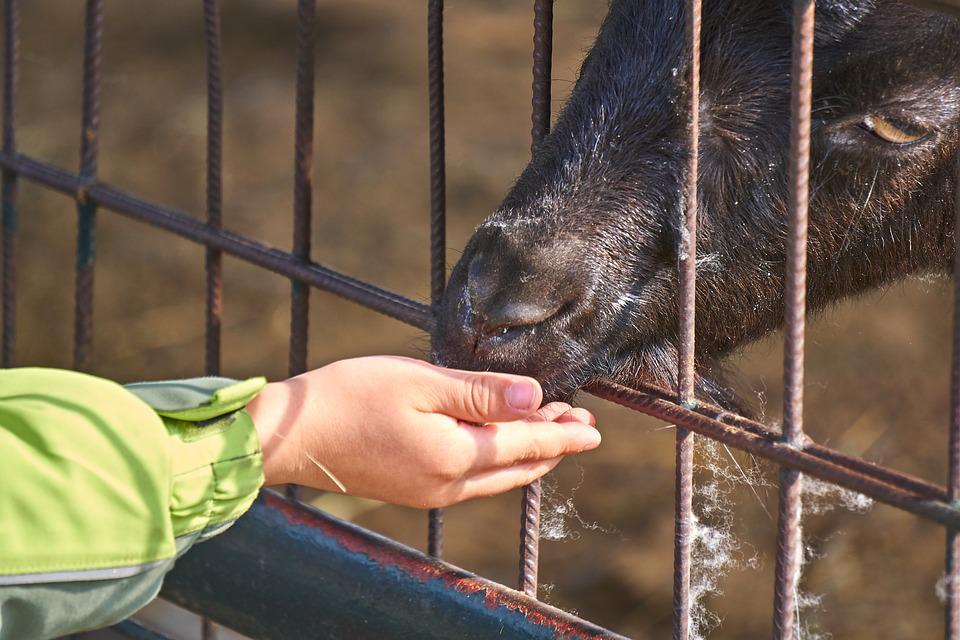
[410,433]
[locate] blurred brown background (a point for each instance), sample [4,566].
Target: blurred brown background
[877,367]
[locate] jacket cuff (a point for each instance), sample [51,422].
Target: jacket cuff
[216,461]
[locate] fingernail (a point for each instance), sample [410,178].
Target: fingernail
[520,395]
[591,441]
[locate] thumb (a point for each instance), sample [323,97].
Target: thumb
[487,397]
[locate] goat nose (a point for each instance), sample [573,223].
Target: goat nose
[509,293]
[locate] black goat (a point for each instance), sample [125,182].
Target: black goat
[574,277]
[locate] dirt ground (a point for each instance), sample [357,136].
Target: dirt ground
[877,366]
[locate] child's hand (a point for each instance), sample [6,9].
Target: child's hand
[406,432]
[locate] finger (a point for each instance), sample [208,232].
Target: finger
[501,444]
[480,396]
[496,481]
[550,412]
[577,414]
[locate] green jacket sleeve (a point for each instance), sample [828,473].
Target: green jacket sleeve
[102,487]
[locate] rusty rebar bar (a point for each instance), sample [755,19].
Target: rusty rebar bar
[302,190]
[895,493]
[438,169]
[8,188]
[86,208]
[540,127]
[438,203]
[302,181]
[687,275]
[789,534]
[927,490]
[542,71]
[952,612]
[213,257]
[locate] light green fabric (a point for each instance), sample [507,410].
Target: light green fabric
[197,399]
[95,486]
[217,464]
[86,475]
[217,471]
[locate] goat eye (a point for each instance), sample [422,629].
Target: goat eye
[893,131]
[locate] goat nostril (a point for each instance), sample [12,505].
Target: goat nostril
[500,319]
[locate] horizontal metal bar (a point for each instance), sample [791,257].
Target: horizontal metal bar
[922,488]
[239,246]
[762,442]
[330,579]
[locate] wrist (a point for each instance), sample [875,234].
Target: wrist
[276,431]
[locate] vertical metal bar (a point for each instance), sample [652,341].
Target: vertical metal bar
[542,70]
[438,202]
[302,181]
[87,210]
[302,187]
[789,536]
[11,14]
[540,117]
[214,258]
[687,270]
[953,482]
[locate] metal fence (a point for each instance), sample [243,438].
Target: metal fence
[458,604]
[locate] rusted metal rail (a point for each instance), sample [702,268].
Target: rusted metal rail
[332,579]
[337,580]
